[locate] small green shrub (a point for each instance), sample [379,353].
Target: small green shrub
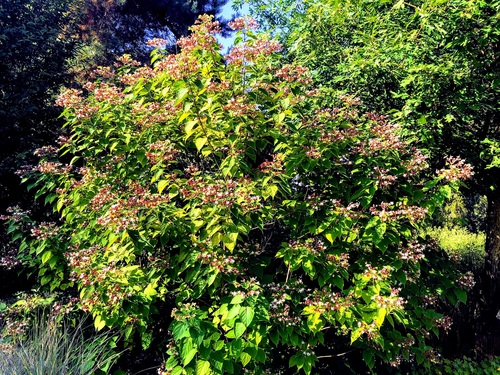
[460,242]
[56,349]
[466,366]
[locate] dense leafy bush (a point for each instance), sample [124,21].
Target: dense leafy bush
[274,231]
[460,242]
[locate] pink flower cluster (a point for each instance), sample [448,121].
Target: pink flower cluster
[10,260]
[311,246]
[108,93]
[457,170]
[46,151]
[383,176]
[102,197]
[243,54]
[15,214]
[279,307]
[392,302]
[124,213]
[416,164]
[326,301]
[161,151]
[294,73]
[222,193]
[225,264]
[45,230]
[274,166]
[466,281]
[143,73]
[445,322]
[339,135]
[370,330]
[351,100]
[157,42]
[149,114]
[341,261]
[243,23]
[402,211]
[377,274]
[413,252]
[70,98]
[238,106]
[50,167]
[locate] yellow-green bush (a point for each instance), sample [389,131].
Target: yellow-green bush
[459,241]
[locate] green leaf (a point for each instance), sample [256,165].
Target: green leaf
[200,142]
[229,240]
[99,323]
[46,256]
[181,95]
[190,128]
[461,295]
[150,291]
[235,310]
[237,299]
[355,334]
[180,330]
[272,189]
[239,329]
[162,184]
[245,358]
[246,315]
[274,335]
[369,359]
[314,322]
[202,367]
[188,352]
[379,319]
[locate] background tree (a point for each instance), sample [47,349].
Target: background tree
[434,65]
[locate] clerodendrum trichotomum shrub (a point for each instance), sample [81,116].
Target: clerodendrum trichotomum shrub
[271,230]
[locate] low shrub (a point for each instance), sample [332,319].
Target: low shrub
[465,366]
[56,348]
[460,242]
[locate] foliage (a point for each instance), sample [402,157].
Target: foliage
[433,65]
[458,241]
[105,30]
[53,348]
[444,86]
[275,230]
[465,366]
[44,43]
[31,68]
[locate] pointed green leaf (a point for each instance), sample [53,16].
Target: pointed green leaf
[245,358]
[202,368]
[246,315]
[239,329]
[200,142]
[162,185]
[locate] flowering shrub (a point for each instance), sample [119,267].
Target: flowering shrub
[270,228]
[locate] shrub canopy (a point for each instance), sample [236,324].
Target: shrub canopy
[273,230]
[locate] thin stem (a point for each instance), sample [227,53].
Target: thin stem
[335,355]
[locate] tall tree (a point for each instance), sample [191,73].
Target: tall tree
[435,64]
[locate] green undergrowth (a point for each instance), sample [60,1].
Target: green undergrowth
[460,242]
[465,366]
[55,348]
